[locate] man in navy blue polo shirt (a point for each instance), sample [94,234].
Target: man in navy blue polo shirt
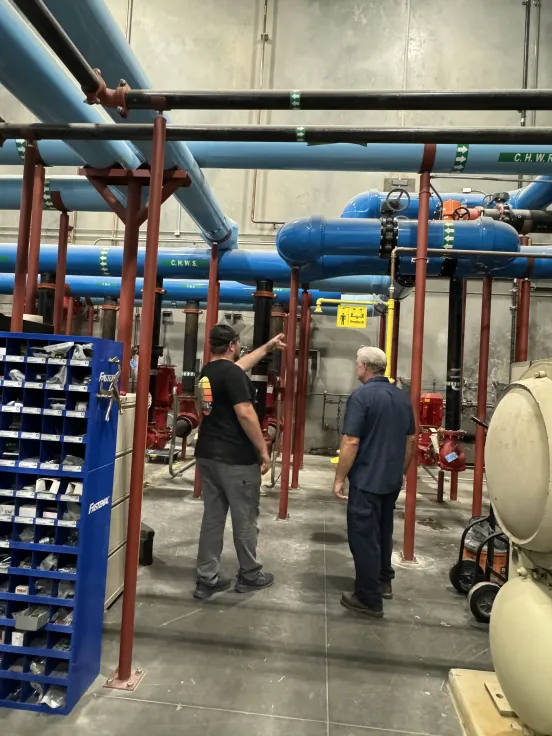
[378,444]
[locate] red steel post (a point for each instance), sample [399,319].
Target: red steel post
[69,321]
[381,337]
[303,425]
[482,379]
[417,357]
[522,324]
[61,271]
[211,318]
[395,339]
[22,254]
[128,280]
[289,393]
[301,399]
[142,391]
[34,243]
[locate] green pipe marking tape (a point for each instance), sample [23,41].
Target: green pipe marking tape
[295,99]
[526,158]
[300,135]
[103,262]
[48,204]
[461,158]
[20,146]
[448,236]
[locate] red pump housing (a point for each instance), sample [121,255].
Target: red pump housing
[431,418]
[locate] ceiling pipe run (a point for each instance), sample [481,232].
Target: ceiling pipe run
[48,92]
[311,135]
[237,265]
[91,27]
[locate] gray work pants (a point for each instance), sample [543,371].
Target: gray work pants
[234,487]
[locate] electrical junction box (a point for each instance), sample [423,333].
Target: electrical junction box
[399,182]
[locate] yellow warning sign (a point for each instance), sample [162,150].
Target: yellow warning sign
[349,316]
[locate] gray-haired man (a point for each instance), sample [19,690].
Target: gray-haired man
[377,448]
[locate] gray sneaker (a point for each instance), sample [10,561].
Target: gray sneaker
[263,580]
[387,591]
[205,590]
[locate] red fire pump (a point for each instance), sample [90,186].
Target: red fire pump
[270,421]
[431,418]
[159,431]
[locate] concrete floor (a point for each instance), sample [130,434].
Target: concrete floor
[289,660]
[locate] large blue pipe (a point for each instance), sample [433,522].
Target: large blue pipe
[238,265]
[95,32]
[303,241]
[535,196]
[482,159]
[75,192]
[177,291]
[406,157]
[34,76]
[368,204]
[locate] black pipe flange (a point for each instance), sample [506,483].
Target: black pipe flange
[389,235]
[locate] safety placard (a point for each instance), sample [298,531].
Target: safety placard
[351,316]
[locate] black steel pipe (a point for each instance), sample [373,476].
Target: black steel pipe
[53,34]
[189,359]
[45,301]
[261,334]
[524,221]
[453,409]
[109,318]
[277,134]
[340,99]
[156,347]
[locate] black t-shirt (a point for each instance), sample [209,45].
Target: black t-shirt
[222,385]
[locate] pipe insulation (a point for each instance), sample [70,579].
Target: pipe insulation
[49,92]
[92,28]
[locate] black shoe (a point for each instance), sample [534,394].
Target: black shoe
[205,590]
[351,602]
[263,580]
[387,591]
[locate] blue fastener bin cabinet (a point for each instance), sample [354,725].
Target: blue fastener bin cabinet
[57,454]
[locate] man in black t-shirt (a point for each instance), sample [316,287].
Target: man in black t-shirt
[231,454]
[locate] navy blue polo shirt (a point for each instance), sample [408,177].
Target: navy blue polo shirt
[381,416]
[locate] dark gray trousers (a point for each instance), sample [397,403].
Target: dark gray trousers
[234,487]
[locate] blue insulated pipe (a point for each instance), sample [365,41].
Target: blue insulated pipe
[94,31]
[303,241]
[36,78]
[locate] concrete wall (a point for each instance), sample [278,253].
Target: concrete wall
[330,44]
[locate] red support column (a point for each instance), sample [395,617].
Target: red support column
[453,493]
[302,378]
[417,357]
[482,379]
[22,254]
[211,318]
[61,271]
[381,337]
[303,424]
[34,244]
[125,677]
[70,309]
[395,339]
[289,393]
[128,280]
[522,323]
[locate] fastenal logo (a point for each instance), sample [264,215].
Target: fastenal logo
[98,505]
[104,377]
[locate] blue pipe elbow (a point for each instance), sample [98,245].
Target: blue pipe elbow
[302,241]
